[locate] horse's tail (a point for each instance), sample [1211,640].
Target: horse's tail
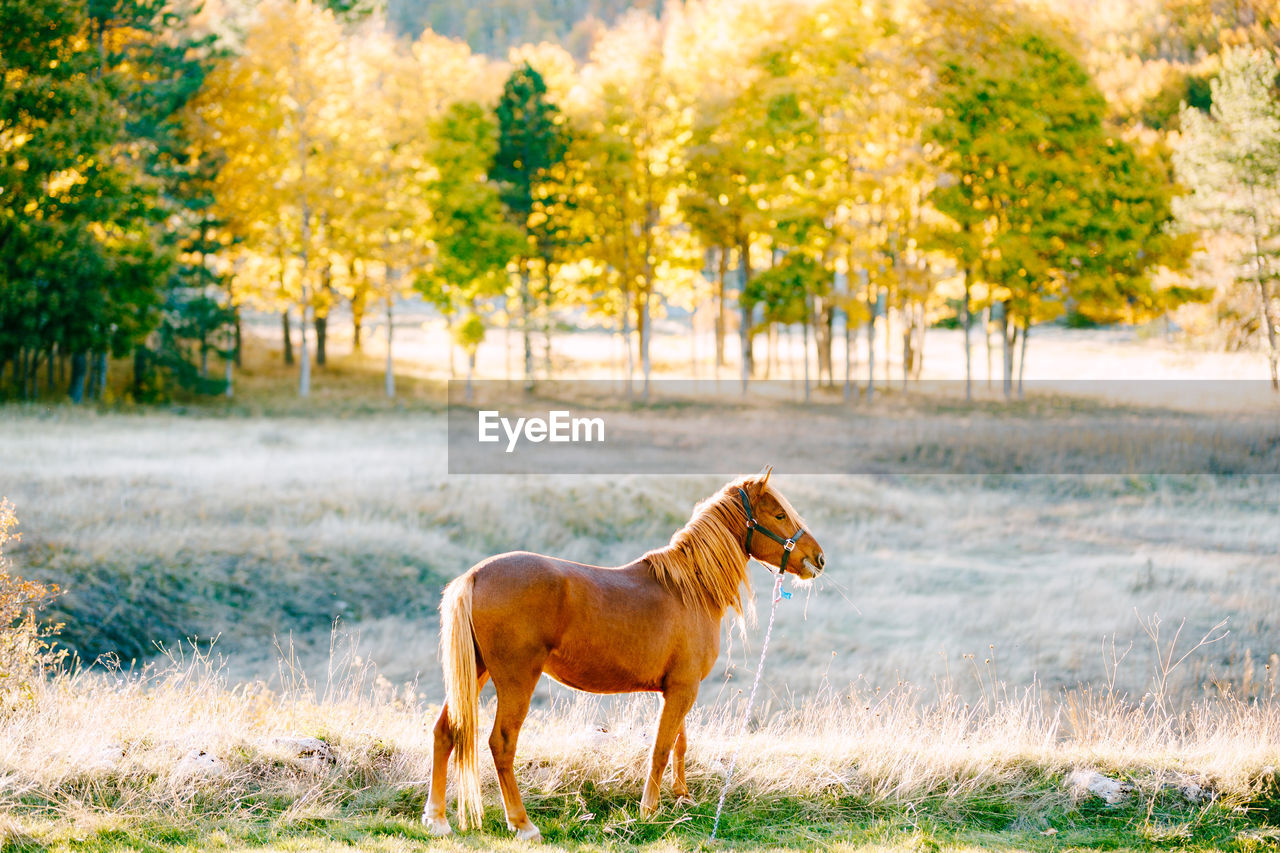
[458,654]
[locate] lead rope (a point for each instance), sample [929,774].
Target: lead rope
[751,700]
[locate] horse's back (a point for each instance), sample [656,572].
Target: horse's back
[598,629]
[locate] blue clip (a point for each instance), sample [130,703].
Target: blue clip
[786,594]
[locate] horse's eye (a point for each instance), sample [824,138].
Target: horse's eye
[782,516]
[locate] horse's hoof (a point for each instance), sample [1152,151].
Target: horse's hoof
[529,833]
[647,812]
[437,825]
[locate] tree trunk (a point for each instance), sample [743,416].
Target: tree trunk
[850,341]
[79,375]
[986,335]
[628,360]
[140,354]
[693,334]
[29,374]
[239,339]
[824,323]
[871,342]
[526,304]
[359,299]
[322,336]
[1269,323]
[287,334]
[908,354]
[922,329]
[322,314]
[32,374]
[507,347]
[646,330]
[771,354]
[1264,297]
[304,257]
[744,333]
[304,351]
[50,373]
[1022,356]
[1008,336]
[722,318]
[888,339]
[102,376]
[968,349]
[389,374]
[448,334]
[91,389]
[643,326]
[804,354]
[471,373]
[547,303]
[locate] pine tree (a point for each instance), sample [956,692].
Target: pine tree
[531,141]
[157,66]
[80,260]
[1230,159]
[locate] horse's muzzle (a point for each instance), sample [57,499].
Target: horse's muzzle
[814,566]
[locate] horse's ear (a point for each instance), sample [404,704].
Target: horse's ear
[763,476]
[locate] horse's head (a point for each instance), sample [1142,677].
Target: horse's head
[776,534]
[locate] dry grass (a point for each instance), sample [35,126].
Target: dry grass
[178,743]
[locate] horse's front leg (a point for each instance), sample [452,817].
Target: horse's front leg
[680,789]
[676,702]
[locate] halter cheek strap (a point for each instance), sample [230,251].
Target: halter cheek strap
[788,545]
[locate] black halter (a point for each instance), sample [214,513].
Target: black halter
[788,545]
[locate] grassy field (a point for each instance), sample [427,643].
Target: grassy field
[165,526]
[180,759]
[975,640]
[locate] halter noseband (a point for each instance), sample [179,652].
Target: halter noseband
[788,545]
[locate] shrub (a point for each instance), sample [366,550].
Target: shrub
[26,649]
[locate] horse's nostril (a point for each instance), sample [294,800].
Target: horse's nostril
[822,560]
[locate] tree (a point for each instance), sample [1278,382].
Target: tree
[531,141]
[81,262]
[157,64]
[715,51]
[474,243]
[1050,207]
[277,115]
[1230,159]
[626,162]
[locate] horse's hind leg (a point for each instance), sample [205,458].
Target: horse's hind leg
[514,693]
[434,814]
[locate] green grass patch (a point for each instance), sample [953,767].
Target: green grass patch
[597,822]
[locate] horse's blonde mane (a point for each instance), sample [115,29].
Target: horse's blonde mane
[704,564]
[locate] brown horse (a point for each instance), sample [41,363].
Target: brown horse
[652,625]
